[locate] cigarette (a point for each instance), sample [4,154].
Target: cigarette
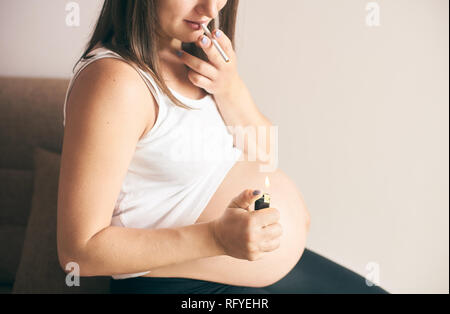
[216,44]
[262,202]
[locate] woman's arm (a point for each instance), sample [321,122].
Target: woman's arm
[246,123]
[117,250]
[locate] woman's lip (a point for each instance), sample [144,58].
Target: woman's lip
[194,25]
[195,22]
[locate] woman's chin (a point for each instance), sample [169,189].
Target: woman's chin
[190,35]
[191,38]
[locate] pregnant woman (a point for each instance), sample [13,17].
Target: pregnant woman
[150,95]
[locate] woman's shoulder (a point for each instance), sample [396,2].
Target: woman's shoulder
[116,78]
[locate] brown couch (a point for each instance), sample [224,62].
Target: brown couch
[31,134]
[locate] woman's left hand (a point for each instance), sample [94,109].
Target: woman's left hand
[222,80]
[217,77]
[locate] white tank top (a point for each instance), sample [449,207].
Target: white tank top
[176,167]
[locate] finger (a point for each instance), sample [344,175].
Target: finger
[224,42]
[245,199]
[267,216]
[267,246]
[199,66]
[272,231]
[211,51]
[200,81]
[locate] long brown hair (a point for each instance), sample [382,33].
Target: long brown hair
[135,27]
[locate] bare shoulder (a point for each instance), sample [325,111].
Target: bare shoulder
[107,80]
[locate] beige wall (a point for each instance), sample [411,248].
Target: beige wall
[362,114]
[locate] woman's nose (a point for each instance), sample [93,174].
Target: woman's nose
[208,8]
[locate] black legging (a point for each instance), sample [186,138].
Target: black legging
[312,274]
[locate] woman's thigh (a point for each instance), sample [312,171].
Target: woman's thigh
[157,285]
[317,274]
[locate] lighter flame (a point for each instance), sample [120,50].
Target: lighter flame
[267,182]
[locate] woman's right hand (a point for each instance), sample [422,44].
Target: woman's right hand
[245,233]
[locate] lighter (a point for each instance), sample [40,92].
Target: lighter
[263,202]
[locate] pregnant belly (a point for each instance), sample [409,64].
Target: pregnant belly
[274,265]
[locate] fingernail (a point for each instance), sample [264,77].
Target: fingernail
[218,33]
[179,53]
[256,192]
[204,40]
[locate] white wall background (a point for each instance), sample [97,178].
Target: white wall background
[362,114]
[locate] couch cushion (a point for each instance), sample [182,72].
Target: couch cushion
[16,187]
[39,270]
[11,243]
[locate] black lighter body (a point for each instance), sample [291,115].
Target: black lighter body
[263,202]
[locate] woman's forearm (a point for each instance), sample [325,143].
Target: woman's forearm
[117,250]
[247,124]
